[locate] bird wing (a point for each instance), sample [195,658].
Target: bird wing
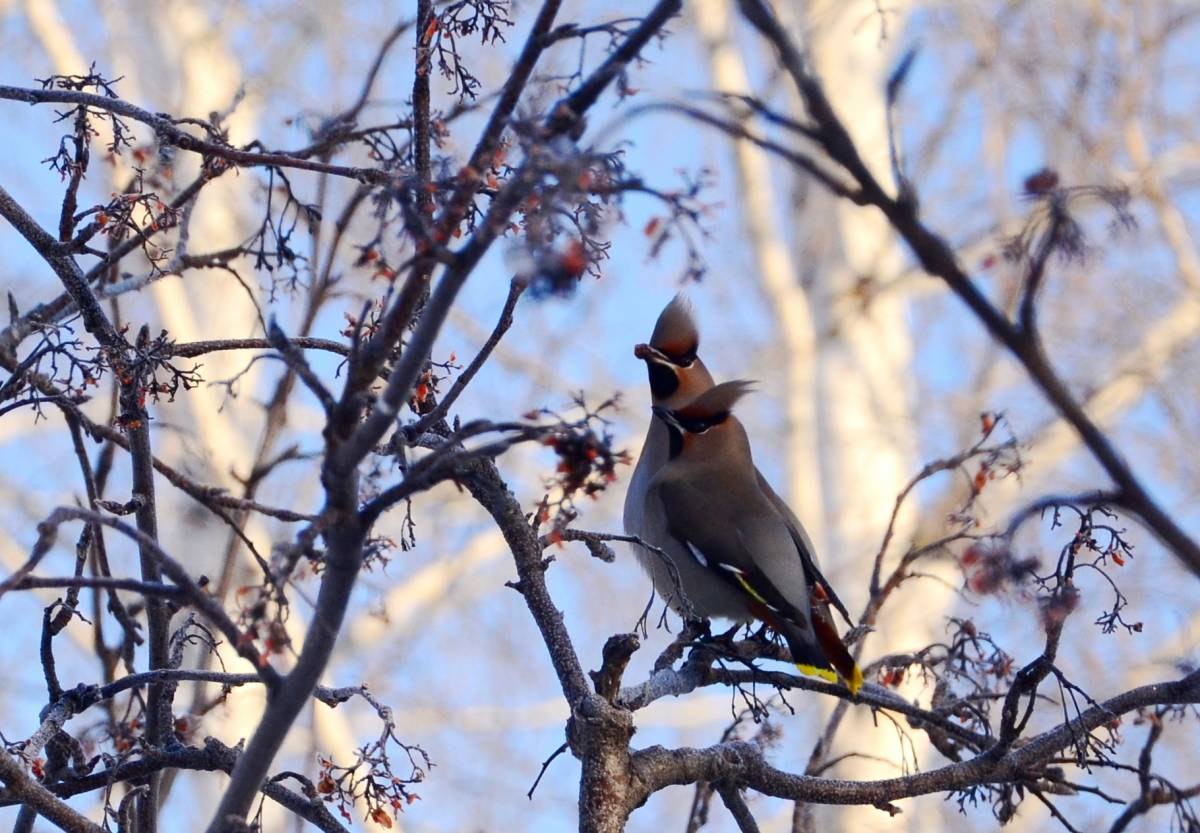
[755,554]
[751,551]
[804,548]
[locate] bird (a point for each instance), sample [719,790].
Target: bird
[677,376]
[738,555]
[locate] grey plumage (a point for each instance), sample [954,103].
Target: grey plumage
[677,376]
[745,558]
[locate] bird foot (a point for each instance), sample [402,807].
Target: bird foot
[723,639]
[695,629]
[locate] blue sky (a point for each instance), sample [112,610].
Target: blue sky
[587,340]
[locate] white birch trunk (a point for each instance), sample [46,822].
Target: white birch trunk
[779,280]
[851,436]
[867,434]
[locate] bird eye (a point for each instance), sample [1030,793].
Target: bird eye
[699,425]
[686,360]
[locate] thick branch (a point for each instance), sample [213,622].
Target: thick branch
[743,763]
[343,559]
[32,794]
[212,757]
[68,272]
[483,481]
[59,307]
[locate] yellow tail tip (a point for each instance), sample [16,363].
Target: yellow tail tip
[856,680]
[826,674]
[830,676]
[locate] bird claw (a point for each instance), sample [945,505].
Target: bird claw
[705,635]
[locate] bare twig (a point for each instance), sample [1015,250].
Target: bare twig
[938,259]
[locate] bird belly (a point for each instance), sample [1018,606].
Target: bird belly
[676,575]
[687,586]
[652,458]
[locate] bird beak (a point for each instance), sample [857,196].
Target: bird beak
[650,354]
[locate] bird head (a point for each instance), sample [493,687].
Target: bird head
[677,375]
[709,412]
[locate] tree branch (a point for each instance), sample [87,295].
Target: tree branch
[939,260]
[167,131]
[743,763]
[32,794]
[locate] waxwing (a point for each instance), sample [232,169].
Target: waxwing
[677,376]
[739,556]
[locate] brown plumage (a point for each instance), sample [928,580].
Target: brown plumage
[735,548]
[677,376]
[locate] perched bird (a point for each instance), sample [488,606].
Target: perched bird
[677,376]
[738,555]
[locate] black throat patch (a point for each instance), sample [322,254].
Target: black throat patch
[664,380]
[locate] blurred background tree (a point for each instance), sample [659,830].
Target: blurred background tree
[869,368]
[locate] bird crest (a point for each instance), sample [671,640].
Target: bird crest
[709,409]
[717,401]
[675,333]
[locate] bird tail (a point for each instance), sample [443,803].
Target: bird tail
[826,657]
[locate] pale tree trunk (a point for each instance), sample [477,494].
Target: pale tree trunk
[864,349]
[778,279]
[868,431]
[51,32]
[865,409]
[193,72]
[851,439]
[208,78]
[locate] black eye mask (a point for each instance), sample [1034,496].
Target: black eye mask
[677,424]
[699,425]
[664,381]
